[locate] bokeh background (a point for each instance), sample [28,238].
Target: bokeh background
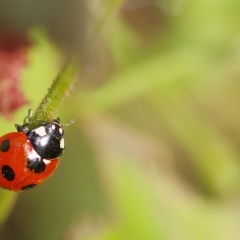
[154,153]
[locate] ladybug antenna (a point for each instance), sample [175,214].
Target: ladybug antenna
[67,124]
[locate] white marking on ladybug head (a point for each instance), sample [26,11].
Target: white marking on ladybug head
[41,131]
[33,155]
[62,143]
[60,130]
[53,127]
[46,161]
[43,142]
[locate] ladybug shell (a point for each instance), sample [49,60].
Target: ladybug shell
[15,175]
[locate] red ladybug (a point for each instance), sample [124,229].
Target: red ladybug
[28,157]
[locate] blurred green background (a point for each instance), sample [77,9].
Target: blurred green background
[154,150]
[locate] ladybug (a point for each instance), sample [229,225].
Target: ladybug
[29,157]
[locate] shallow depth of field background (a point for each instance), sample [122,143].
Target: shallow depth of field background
[154,153]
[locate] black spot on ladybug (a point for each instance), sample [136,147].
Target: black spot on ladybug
[8,173]
[5,145]
[36,165]
[28,187]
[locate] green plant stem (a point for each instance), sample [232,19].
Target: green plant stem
[46,111]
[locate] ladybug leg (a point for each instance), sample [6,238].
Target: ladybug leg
[28,118]
[36,164]
[57,120]
[22,128]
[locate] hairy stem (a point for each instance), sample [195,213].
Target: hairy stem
[46,110]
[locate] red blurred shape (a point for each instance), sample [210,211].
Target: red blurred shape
[13,59]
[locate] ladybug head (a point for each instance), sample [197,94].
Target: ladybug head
[47,139]
[54,128]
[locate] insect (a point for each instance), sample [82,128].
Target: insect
[28,157]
